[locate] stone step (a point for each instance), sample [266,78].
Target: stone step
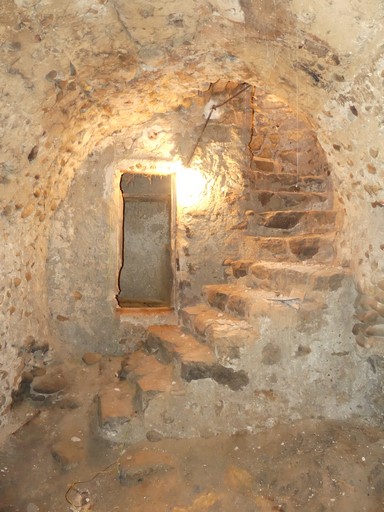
[288,164]
[225,333]
[252,304]
[268,200]
[317,248]
[285,276]
[118,409]
[150,375]
[289,182]
[290,222]
[194,360]
[288,277]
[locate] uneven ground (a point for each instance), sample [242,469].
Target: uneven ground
[52,443]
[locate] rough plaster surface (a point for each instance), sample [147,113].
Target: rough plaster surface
[79,76]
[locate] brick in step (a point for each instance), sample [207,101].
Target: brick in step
[117,406]
[139,465]
[315,247]
[226,334]
[286,182]
[194,359]
[290,222]
[268,200]
[150,375]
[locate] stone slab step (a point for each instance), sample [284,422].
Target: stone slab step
[170,343]
[150,375]
[286,182]
[252,304]
[195,360]
[117,406]
[288,163]
[289,222]
[268,200]
[287,277]
[317,248]
[225,333]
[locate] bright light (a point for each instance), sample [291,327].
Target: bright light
[190,187]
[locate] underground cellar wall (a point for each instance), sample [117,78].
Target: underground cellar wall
[56,96]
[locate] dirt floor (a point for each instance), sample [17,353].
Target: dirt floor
[53,460]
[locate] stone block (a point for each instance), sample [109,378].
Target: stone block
[91,358]
[50,383]
[265,164]
[68,454]
[116,406]
[171,344]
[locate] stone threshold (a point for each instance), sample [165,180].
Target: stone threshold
[148,316]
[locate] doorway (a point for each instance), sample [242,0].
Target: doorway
[146,274]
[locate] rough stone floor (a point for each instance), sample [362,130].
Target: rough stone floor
[53,460]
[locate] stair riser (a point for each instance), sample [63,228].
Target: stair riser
[226,340]
[155,346]
[190,322]
[286,281]
[316,249]
[305,168]
[265,201]
[285,182]
[291,223]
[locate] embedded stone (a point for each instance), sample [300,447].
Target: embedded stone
[91,358]
[154,436]
[49,383]
[240,268]
[304,248]
[368,317]
[271,354]
[375,330]
[265,164]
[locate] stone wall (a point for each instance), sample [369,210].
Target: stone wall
[78,77]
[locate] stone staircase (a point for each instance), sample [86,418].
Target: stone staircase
[238,359]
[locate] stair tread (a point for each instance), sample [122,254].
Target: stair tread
[292,212]
[116,403]
[183,346]
[282,266]
[207,317]
[253,295]
[149,373]
[299,236]
[292,175]
[293,193]
[293,265]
